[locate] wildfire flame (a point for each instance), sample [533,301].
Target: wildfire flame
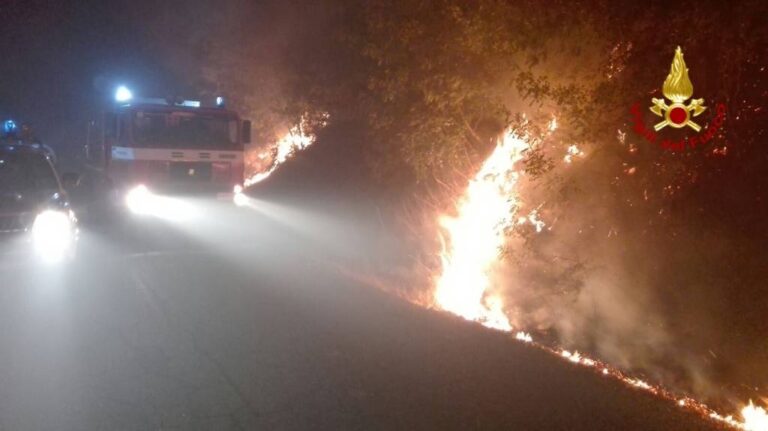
[755,418]
[296,139]
[524,337]
[574,357]
[471,242]
[475,235]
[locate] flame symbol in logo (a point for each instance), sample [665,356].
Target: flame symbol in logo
[678,88]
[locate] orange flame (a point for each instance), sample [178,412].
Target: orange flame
[475,235]
[755,418]
[295,140]
[472,239]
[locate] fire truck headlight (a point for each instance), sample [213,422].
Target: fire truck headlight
[239,198]
[123,94]
[140,200]
[53,235]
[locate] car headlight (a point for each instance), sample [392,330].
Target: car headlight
[53,234]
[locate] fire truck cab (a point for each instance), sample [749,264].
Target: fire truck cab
[171,145]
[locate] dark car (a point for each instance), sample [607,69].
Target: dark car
[36,220]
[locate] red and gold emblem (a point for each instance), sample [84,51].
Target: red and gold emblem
[678,88]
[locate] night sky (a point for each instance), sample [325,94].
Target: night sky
[61,61]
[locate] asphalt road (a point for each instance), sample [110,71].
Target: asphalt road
[238,318]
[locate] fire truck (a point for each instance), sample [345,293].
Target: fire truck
[170,145]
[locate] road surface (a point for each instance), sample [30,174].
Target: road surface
[238,318]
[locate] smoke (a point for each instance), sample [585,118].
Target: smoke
[603,274]
[625,267]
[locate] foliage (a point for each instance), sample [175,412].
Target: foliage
[433,82]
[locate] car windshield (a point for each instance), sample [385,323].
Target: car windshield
[184,130]
[24,172]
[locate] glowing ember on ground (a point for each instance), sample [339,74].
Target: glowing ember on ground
[293,141]
[639,383]
[573,357]
[474,236]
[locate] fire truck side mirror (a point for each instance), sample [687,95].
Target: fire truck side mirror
[246,132]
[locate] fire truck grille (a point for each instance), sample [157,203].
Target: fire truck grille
[190,171]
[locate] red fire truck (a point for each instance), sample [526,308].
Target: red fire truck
[171,146]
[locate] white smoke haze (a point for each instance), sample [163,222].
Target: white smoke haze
[582,270]
[604,309]
[573,284]
[596,278]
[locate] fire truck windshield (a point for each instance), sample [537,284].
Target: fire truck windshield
[184,130]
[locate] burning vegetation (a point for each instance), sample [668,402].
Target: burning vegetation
[265,160]
[471,243]
[573,232]
[475,235]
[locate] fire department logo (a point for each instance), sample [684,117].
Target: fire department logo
[677,114]
[677,89]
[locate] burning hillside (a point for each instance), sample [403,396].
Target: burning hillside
[472,240]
